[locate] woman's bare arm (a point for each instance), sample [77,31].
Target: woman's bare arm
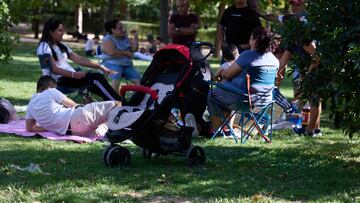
[234,70]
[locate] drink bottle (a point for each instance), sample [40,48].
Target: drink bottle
[305,115]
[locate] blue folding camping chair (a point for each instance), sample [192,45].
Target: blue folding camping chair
[255,117]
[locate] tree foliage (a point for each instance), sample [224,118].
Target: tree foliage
[335,25]
[145,10]
[5,36]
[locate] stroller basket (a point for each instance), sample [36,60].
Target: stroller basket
[145,118]
[173,138]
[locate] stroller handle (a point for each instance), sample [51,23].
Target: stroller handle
[199,44]
[139,88]
[207,44]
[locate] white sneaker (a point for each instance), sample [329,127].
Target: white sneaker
[191,122]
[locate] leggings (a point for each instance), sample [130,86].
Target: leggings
[94,82]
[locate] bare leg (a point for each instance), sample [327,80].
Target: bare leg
[317,125]
[136,82]
[115,83]
[216,121]
[314,122]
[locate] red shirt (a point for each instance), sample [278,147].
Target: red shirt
[183,21]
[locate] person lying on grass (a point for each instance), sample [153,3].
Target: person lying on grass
[50,110]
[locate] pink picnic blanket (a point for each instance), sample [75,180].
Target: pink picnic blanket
[17,127]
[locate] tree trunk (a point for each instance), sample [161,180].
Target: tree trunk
[164,15]
[286,7]
[171,6]
[79,18]
[35,22]
[217,40]
[110,10]
[124,11]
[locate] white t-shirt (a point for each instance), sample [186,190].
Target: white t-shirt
[44,48]
[46,108]
[90,45]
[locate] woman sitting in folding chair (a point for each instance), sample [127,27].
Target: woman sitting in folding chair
[260,64]
[53,57]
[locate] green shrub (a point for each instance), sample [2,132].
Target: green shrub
[335,25]
[5,35]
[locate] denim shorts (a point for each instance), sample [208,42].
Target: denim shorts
[128,72]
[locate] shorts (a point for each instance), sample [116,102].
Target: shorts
[297,87]
[128,72]
[86,119]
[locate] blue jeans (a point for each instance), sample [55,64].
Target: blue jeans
[128,72]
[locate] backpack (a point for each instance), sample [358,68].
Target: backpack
[7,111]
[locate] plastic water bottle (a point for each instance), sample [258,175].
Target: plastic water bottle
[176,113]
[306,115]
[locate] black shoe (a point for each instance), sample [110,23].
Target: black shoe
[299,131]
[311,134]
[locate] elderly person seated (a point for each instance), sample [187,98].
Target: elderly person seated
[262,67]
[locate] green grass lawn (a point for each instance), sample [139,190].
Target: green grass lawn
[292,168]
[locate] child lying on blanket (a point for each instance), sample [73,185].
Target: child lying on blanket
[50,110]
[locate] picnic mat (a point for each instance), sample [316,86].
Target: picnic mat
[17,127]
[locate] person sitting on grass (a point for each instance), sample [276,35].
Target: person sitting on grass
[50,110]
[90,49]
[57,54]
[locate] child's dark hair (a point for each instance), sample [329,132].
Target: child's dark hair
[51,25]
[96,36]
[230,52]
[4,115]
[263,39]
[111,24]
[159,39]
[44,83]
[150,37]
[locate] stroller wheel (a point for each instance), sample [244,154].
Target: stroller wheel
[195,155]
[147,154]
[105,153]
[118,156]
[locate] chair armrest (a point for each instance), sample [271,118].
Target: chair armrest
[226,87]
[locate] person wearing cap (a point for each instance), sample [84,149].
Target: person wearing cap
[306,51]
[297,9]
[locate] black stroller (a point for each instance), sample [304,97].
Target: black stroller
[146,118]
